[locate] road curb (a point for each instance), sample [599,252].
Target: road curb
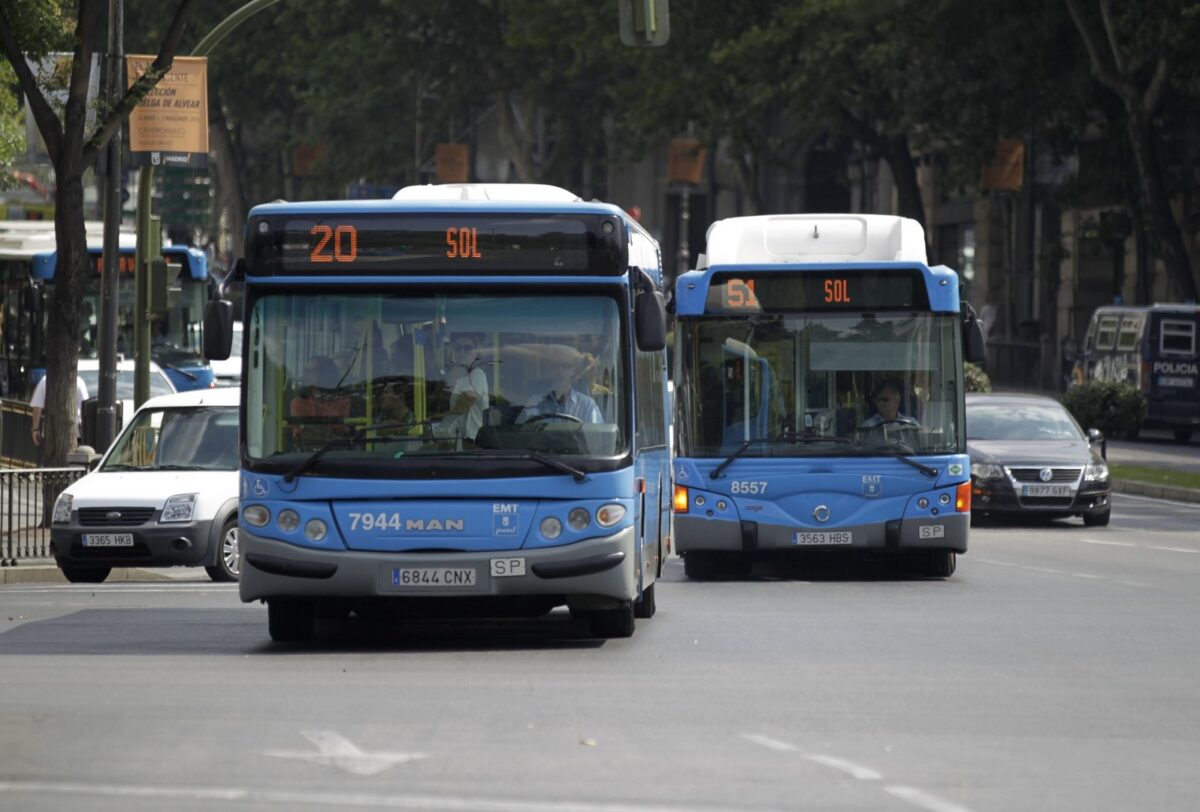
[1157,491]
[50,574]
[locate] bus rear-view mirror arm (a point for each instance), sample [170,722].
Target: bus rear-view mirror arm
[974,344]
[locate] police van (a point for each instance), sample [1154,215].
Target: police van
[1155,349]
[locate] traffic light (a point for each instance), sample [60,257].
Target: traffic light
[644,23]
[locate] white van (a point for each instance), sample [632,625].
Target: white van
[165,494]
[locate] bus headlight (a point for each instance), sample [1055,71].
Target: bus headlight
[179,508]
[62,508]
[315,530]
[987,470]
[608,515]
[1095,471]
[256,515]
[579,519]
[551,528]
[288,520]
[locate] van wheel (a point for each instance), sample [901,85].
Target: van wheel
[613,622]
[84,575]
[1183,435]
[226,568]
[290,620]
[644,607]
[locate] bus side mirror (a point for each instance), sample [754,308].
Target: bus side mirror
[218,329]
[974,345]
[650,321]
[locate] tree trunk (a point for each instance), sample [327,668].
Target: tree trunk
[515,148]
[62,340]
[1157,203]
[904,173]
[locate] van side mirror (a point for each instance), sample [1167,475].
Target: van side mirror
[218,329]
[974,344]
[650,321]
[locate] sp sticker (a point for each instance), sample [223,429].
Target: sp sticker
[872,485]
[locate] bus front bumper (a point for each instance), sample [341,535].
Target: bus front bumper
[599,570]
[946,532]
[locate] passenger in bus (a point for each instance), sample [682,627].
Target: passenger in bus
[468,385]
[564,364]
[887,408]
[317,402]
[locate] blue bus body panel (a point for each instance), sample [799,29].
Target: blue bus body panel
[691,288]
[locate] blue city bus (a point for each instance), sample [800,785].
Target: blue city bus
[790,334]
[27,271]
[454,402]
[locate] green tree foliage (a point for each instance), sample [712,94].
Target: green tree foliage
[975,379]
[12,126]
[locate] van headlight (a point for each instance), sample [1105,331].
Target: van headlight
[62,508]
[179,508]
[1095,471]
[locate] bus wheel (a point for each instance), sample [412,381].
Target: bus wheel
[644,607]
[613,622]
[84,575]
[1183,435]
[289,620]
[700,565]
[939,563]
[738,565]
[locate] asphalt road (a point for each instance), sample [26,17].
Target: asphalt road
[1056,670]
[1157,449]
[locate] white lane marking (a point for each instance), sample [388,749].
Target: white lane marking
[1108,543]
[338,751]
[771,744]
[922,799]
[1141,498]
[1176,549]
[856,771]
[1089,575]
[1045,570]
[332,799]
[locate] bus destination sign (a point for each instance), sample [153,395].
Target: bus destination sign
[748,292]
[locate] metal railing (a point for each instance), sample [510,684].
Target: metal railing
[27,498]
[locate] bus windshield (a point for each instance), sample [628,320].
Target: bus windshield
[830,384]
[410,380]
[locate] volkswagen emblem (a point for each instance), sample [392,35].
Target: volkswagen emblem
[1045,475]
[113,515]
[821,513]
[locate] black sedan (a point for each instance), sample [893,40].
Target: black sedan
[1028,455]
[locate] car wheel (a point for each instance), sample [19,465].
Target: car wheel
[1099,519]
[290,620]
[84,575]
[644,607]
[700,565]
[1183,435]
[226,568]
[613,622]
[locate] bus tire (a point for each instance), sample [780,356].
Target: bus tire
[940,563]
[613,622]
[1098,519]
[700,565]
[644,607]
[290,620]
[738,565]
[1183,435]
[84,575]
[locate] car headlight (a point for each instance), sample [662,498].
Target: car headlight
[987,470]
[62,508]
[179,508]
[1095,471]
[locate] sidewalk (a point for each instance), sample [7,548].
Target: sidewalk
[46,572]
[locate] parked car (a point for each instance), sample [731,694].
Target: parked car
[186,368]
[1028,455]
[165,494]
[160,384]
[1155,349]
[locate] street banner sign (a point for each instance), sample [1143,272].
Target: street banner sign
[169,127]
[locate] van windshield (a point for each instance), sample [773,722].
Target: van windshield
[191,439]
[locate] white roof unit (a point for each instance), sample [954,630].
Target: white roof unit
[511,192]
[793,238]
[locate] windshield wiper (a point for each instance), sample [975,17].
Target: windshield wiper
[175,468]
[787,439]
[534,456]
[359,437]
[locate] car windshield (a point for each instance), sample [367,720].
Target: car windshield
[159,383]
[192,438]
[1020,421]
[842,384]
[401,377]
